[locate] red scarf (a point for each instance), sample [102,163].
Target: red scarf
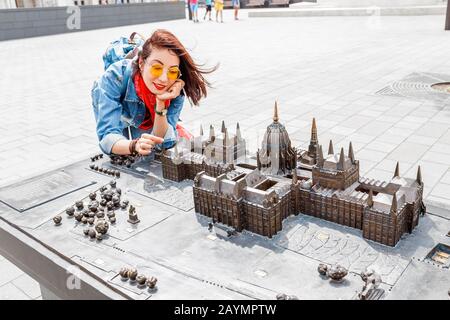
[149,99]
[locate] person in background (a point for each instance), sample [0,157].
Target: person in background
[208,9]
[236,5]
[194,10]
[218,5]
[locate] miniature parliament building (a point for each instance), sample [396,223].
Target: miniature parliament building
[285,181]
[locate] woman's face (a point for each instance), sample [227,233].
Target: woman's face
[155,70]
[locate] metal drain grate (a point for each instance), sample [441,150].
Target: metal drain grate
[418,86]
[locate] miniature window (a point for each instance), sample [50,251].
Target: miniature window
[440,255]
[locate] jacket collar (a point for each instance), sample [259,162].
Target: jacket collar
[130,95]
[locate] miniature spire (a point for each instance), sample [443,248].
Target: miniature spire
[370,199]
[341,160]
[397,170]
[314,132]
[394,203]
[225,137]
[419,176]
[294,176]
[211,133]
[320,157]
[330,147]
[351,155]
[275,112]
[258,160]
[201,130]
[223,127]
[238,132]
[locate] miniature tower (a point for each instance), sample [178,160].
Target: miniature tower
[212,135]
[314,143]
[419,176]
[320,159]
[397,170]
[394,204]
[277,154]
[275,113]
[351,155]
[238,132]
[330,147]
[370,199]
[340,165]
[223,127]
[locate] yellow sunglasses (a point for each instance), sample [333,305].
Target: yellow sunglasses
[173,73]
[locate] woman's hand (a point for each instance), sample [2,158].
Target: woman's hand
[146,143]
[171,93]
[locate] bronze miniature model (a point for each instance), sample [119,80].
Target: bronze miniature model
[86,231]
[57,220]
[101,226]
[326,186]
[112,220]
[322,269]
[92,234]
[337,272]
[113,183]
[92,195]
[132,274]
[79,205]
[124,273]
[70,211]
[372,281]
[283,296]
[141,279]
[151,282]
[78,216]
[132,215]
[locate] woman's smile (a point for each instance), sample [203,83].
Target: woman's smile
[159,87]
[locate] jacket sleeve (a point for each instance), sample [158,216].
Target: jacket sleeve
[173,114]
[106,96]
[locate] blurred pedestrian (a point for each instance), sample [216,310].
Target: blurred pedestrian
[208,9]
[218,5]
[194,9]
[236,5]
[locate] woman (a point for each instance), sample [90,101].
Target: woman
[137,103]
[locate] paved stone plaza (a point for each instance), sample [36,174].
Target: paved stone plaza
[330,68]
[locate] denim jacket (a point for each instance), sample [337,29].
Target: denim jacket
[117,107]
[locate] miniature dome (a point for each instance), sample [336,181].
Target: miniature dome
[276,151]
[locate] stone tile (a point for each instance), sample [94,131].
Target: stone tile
[428,141]
[11,292]
[389,165]
[442,191]
[8,272]
[433,129]
[367,154]
[446,178]
[342,130]
[408,152]
[432,173]
[381,146]
[28,286]
[375,127]
[438,157]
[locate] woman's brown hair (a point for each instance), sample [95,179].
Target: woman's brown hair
[191,72]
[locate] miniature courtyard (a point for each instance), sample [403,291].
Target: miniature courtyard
[366,83]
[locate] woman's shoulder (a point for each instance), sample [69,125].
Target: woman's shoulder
[117,71]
